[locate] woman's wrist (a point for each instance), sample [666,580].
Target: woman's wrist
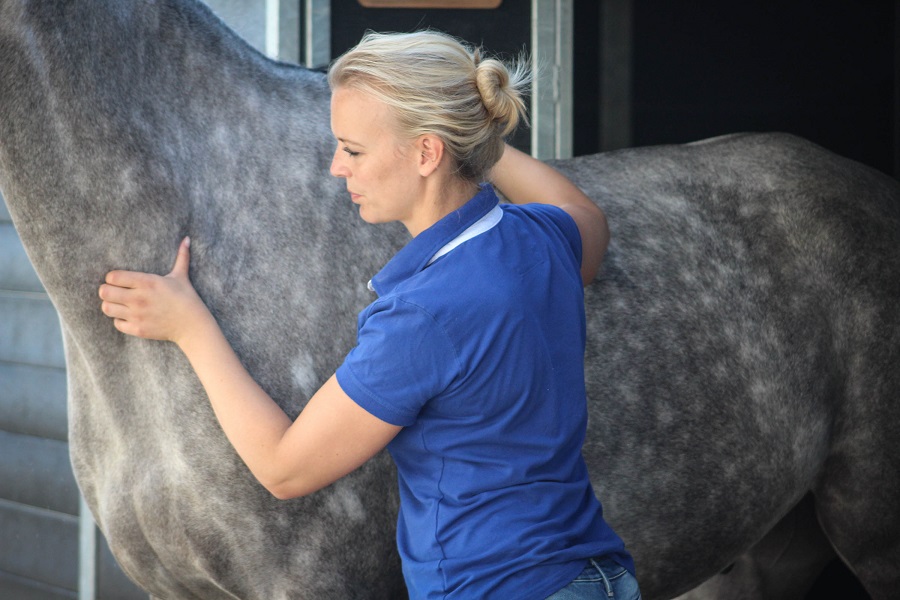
[198,329]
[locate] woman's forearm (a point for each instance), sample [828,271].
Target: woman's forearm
[332,436]
[251,420]
[524,179]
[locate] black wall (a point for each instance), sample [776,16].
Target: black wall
[822,69]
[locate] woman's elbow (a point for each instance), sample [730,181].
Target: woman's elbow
[283,494]
[605,235]
[287,490]
[595,236]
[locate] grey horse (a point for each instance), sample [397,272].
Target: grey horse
[744,332]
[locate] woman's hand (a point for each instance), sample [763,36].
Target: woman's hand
[153,306]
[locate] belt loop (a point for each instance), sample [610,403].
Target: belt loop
[609,589]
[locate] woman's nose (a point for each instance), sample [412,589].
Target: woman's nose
[338,169]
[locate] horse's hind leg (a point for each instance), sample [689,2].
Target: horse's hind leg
[781,566]
[864,531]
[858,497]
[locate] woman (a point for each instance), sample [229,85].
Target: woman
[469,365]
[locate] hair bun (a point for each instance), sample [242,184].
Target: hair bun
[500,95]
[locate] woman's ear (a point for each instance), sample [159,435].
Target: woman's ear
[430,150]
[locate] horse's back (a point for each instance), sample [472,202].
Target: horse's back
[741,333]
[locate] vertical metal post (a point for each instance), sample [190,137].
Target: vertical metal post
[551,99]
[615,74]
[565,31]
[283,30]
[317,34]
[87,553]
[273,32]
[289,31]
[542,87]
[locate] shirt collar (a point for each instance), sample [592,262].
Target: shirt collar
[414,257]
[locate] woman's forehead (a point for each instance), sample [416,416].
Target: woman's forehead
[355,113]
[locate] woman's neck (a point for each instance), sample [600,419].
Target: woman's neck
[440,197]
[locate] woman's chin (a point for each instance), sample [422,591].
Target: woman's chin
[368,219]
[369,216]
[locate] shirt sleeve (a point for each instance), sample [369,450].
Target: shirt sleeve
[556,220]
[402,359]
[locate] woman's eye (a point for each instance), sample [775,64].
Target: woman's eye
[350,152]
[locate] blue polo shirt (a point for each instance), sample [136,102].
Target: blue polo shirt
[475,346]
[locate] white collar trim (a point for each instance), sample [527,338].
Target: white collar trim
[485,223]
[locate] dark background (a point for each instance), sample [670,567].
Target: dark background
[822,69]
[825,70]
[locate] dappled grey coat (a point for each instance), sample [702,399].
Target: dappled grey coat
[744,331]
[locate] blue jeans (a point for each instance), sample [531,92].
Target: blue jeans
[601,578]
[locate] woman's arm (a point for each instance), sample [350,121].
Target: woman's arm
[331,437]
[523,180]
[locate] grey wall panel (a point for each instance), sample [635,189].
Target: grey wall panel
[33,401]
[246,17]
[29,330]
[37,472]
[39,544]
[16,272]
[19,588]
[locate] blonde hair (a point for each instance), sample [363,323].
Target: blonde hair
[436,84]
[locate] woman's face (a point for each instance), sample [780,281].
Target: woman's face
[380,167]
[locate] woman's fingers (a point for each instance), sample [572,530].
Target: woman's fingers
[127,327]
[126,303]
[118,302]
[182,259]
[114,293]
[116,311]
[127,279]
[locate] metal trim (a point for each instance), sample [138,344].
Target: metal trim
[87,552]
[551,99]
[317,33]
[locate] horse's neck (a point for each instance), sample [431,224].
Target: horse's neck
[128,124]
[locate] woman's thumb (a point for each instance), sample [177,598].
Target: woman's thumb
[182,259]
